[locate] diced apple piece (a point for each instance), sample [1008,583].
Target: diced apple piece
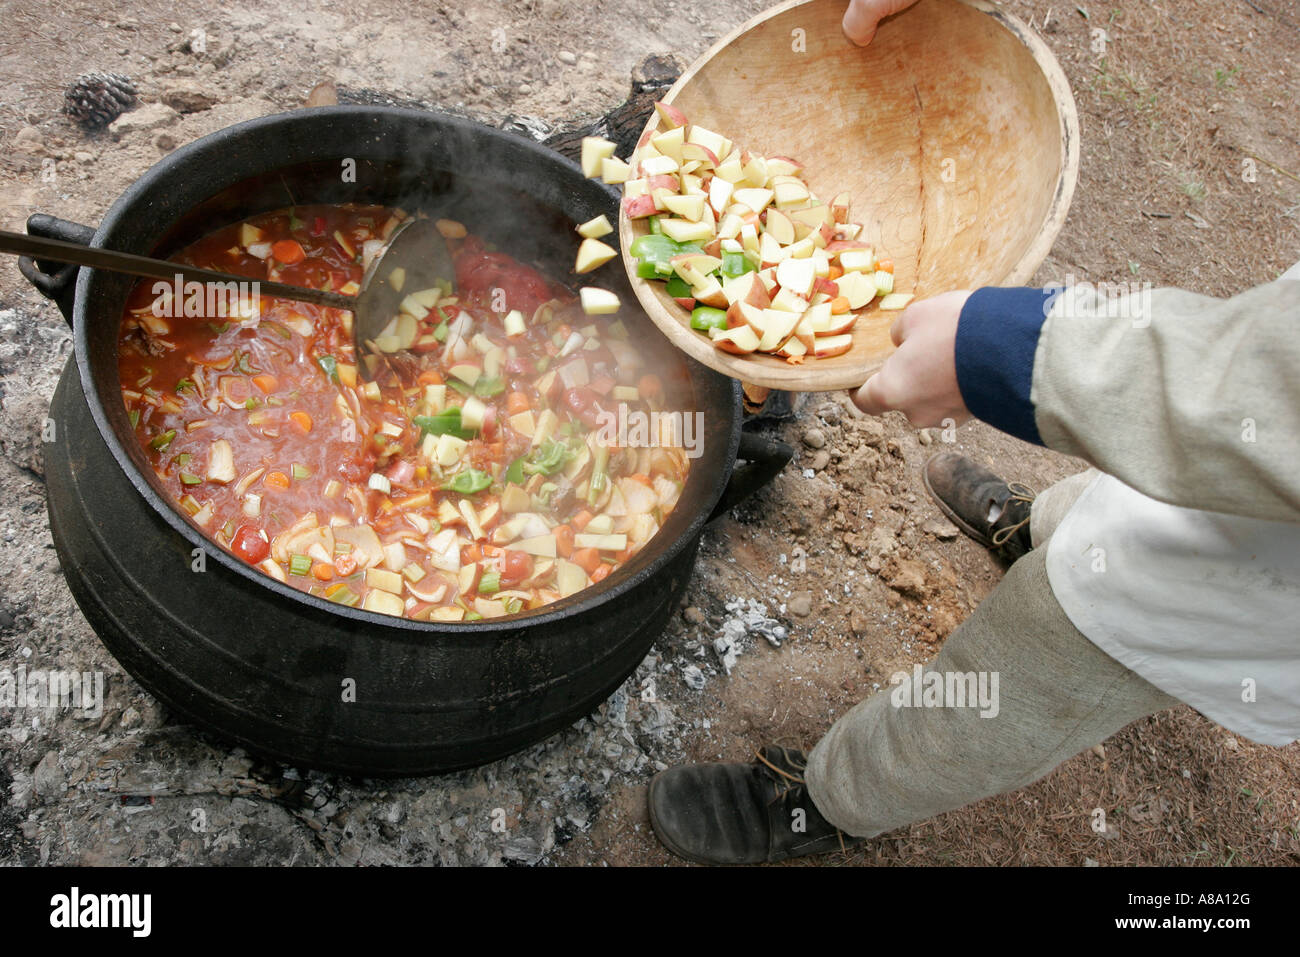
[688,207]
[710,293]
[700,153]
[718,144]
[803,249]
[787,301]
[782,166]
[593,254]
[383,603]
[828,346]
[790,193]
[384,579]
[779,225]
[740,340]
[770,251]
[598,302]
[542,545]
[756,199]
[671,116]
[659,166]
[596,228]
[896,300]
[613,170]
[755,170]
[670,143]
[514,323]
[840,324]
[780,325]
[840,208]
[796,276]
[682,231]
[719,196]
[466,372]
[595,149]
[639,207]
[814,216]
[569,578]
[858,260]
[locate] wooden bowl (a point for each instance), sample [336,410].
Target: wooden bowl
[954,131]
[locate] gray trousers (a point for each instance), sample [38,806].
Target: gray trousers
[883,765]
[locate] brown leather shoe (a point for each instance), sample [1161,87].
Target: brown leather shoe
[993,512]
[741,813]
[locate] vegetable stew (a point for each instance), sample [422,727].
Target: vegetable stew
[466,471]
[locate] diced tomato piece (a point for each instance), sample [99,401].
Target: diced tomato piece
[601,573]
[249,544]
[515,567]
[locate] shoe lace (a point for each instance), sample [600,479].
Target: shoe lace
[1019,493]
[788,782]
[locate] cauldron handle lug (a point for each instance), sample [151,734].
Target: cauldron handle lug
[764,459]
[56,281]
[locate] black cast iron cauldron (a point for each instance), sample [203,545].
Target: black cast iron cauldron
[282,673]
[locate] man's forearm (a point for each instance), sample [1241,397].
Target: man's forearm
[1191,400]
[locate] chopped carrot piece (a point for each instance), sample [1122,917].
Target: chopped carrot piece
[492,551]
[302,420]
[563,540]
[288,251]
[276,480]
[470,553]
[517,402]
[649,386]
[642,478]
[601,573]
[345,565]
[322,571]
[885,265]
[266,383]
[839,305]
[430,377]
[581,519]
[588,559]
[835,273]
[564,329]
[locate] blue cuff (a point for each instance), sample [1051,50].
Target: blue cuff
[997,336]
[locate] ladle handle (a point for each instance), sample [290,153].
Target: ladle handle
[40,248]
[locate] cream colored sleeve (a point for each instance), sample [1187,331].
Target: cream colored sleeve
[1191,400]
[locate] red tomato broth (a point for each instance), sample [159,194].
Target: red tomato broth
[319,439]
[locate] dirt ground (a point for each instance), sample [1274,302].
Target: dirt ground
[1190,176]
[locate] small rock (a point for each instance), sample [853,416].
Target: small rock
[693,615]
[1100,751]
[820,460]
[47,779]
[164,141]
[814,438]
[870,428]
[151,116]
[908,578]
[1230,743]
[801,604]
[858,622]
[186,96]
[525,89]
[568,58]
[84,158]
[924,437]
[130,719]
[29,140]
[941,529]
[693,677]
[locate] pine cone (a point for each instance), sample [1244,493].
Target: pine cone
[97,99]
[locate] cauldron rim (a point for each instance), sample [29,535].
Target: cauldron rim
[380,625]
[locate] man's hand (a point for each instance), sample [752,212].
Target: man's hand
[920,379]
[861,18]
